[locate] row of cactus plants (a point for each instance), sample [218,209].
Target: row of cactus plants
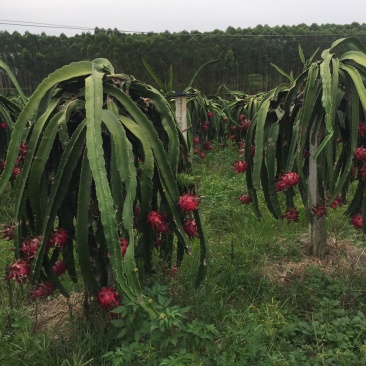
[106,165]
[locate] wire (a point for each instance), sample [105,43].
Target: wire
[188,34]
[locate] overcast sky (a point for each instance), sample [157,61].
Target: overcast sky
[173,15]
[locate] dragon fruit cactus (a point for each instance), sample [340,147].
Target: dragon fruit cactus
[287,181]
[18,271]
[292,215]
[240,166]
[158,221]
[108,298]
[188,202]
[190,227]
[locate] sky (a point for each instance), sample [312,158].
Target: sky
[171,15]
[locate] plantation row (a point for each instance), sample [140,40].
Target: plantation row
[102,175]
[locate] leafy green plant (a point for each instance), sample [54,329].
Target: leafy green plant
[102,155]
[161,341]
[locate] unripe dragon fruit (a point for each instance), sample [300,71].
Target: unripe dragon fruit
[190,227]
[158,221]
[240,166]
[18,271]
[360,153]
[108,298]
[356,221]
[287,181]
[45,289]
[188,202]
[245,199]
[292,215]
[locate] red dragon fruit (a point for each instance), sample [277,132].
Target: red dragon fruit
[108,298]
[292,215]
[8,232]
[319,210]
[240,166]
[16,171]
[356,221]
[245,124]
[360,153]
[196,151]
[232,137]
[22,151]
[210,114]
[206,125]
[196,140]
[30,247]
[361,129]
[59,238]
[245,199]
[202,154]
[158,221]
[19,271]
[123,244]
[208,146]
[190,227]
[59,268]
[45,289]
[3,125]
[188,202]
[287,181]
[337,202]
[362,171]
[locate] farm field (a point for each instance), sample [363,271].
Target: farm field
[263,302]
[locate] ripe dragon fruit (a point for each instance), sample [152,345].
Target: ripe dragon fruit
[208,146]
[319,210]
[108,298]
[45,289]
[59,238]
[210,114]
[158,221]
[123,244]
[360,153]
[18,271]
[190,227]
[361,129]
[206,125]
[196,140]
[59,268]
[362,171]
[16,171]
[356,221]
[245,124]
[292,215]
[30,247]
[3,125]
[337,202]
[240,166]
[22,151]
[245,199]
[8,232]
[287,181]
[188,202]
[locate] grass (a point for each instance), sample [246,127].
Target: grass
[270,304]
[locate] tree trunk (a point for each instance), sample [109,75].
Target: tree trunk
[317,226]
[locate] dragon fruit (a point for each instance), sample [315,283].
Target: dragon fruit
[360,153]
[287,181]
[30,247]
[59,238]
[245,199]
[190,227]
[240,166]
[3,125]
[158,221]
[319,210]
[108,298]
[188,202]
[210,114]
[45,289]
[292,215]
[208,146]
[59,268]
[356,221]
[18,271]
[196,140]
[123,244]
[8,232]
